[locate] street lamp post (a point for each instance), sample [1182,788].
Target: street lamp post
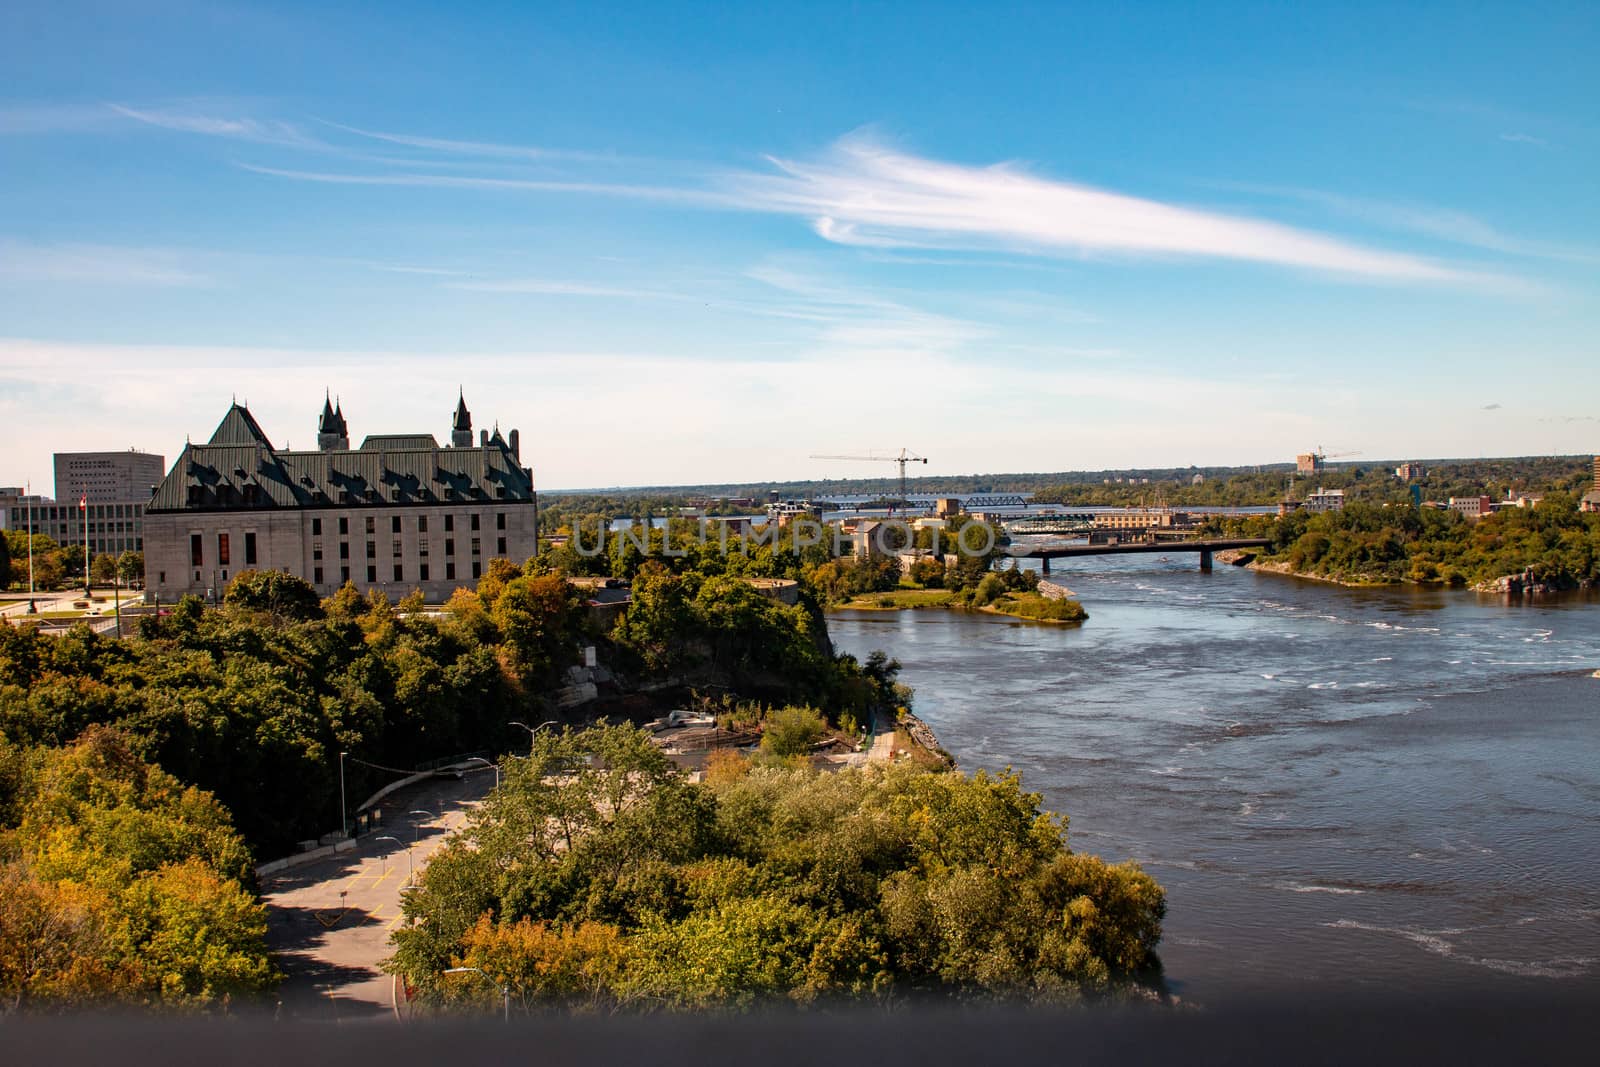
[486,763]
[533,731]
[411,869]
[505,991]
[416,827]
[342,822]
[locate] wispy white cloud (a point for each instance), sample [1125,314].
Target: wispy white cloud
[486,149]
[264,131]
[1454,226]
[700,197]
[1524,138]
[96,265]
[865,193]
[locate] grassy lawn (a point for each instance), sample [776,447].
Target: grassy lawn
[900,599]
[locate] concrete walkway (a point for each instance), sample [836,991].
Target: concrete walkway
[329,922]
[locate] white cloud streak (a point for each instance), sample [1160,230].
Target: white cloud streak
[864,193]
[263,131]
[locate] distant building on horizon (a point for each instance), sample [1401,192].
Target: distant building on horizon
[400,513]
[1591,500]
[1411,471]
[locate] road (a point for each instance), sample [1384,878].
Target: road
[329,922]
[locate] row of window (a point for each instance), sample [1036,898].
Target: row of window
[317,574]
[398,548]
[61,512]
[394,523]
[197,551]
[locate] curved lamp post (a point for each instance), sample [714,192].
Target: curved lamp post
[533,731]
[416,827]
[411,867]
[486,763]
[505,991]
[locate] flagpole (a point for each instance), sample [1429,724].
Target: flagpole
[29,492]
[83,506]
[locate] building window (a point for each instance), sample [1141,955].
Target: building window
[316,550]
[449,523]
[161,577]
[197,555]
[372,574]
[500,520]
[372,550]
[474,521]
[250,548]
[344,575]
[397,546]
[394,524]
[222,549]
[500,546]
[449,546]
[477,569]
[316,527]
[449,572]
[399,573]
[316,575]
[372,524]
[344,549]
[422,572]
[422,547]
[476,548]
[344,526]
[422,524]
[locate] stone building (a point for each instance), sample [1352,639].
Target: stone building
[399,513]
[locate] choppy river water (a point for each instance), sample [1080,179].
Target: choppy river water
[1337,787]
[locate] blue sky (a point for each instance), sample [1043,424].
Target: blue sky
[680,243]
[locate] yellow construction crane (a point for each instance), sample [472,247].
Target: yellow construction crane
[903,458]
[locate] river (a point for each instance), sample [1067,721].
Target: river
[1337,787]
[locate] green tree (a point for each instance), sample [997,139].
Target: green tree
[275,592]
[791,731]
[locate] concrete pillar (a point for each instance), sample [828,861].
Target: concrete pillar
[1205,561]
[1044,564]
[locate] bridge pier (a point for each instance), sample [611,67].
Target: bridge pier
[1044,565]
[1205,561]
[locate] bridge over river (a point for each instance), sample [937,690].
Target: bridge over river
[1044,552]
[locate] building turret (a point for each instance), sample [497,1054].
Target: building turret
[461,426]
[332,433]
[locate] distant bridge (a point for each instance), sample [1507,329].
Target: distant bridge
[1044,553]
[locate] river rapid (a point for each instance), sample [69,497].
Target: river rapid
[1337,787]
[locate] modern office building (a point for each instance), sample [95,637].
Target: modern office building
[107,491]
[399,513]
[107,476]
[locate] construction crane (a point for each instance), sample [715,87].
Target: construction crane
[903,458]
[1312,462]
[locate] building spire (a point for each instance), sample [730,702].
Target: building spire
[461,425]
